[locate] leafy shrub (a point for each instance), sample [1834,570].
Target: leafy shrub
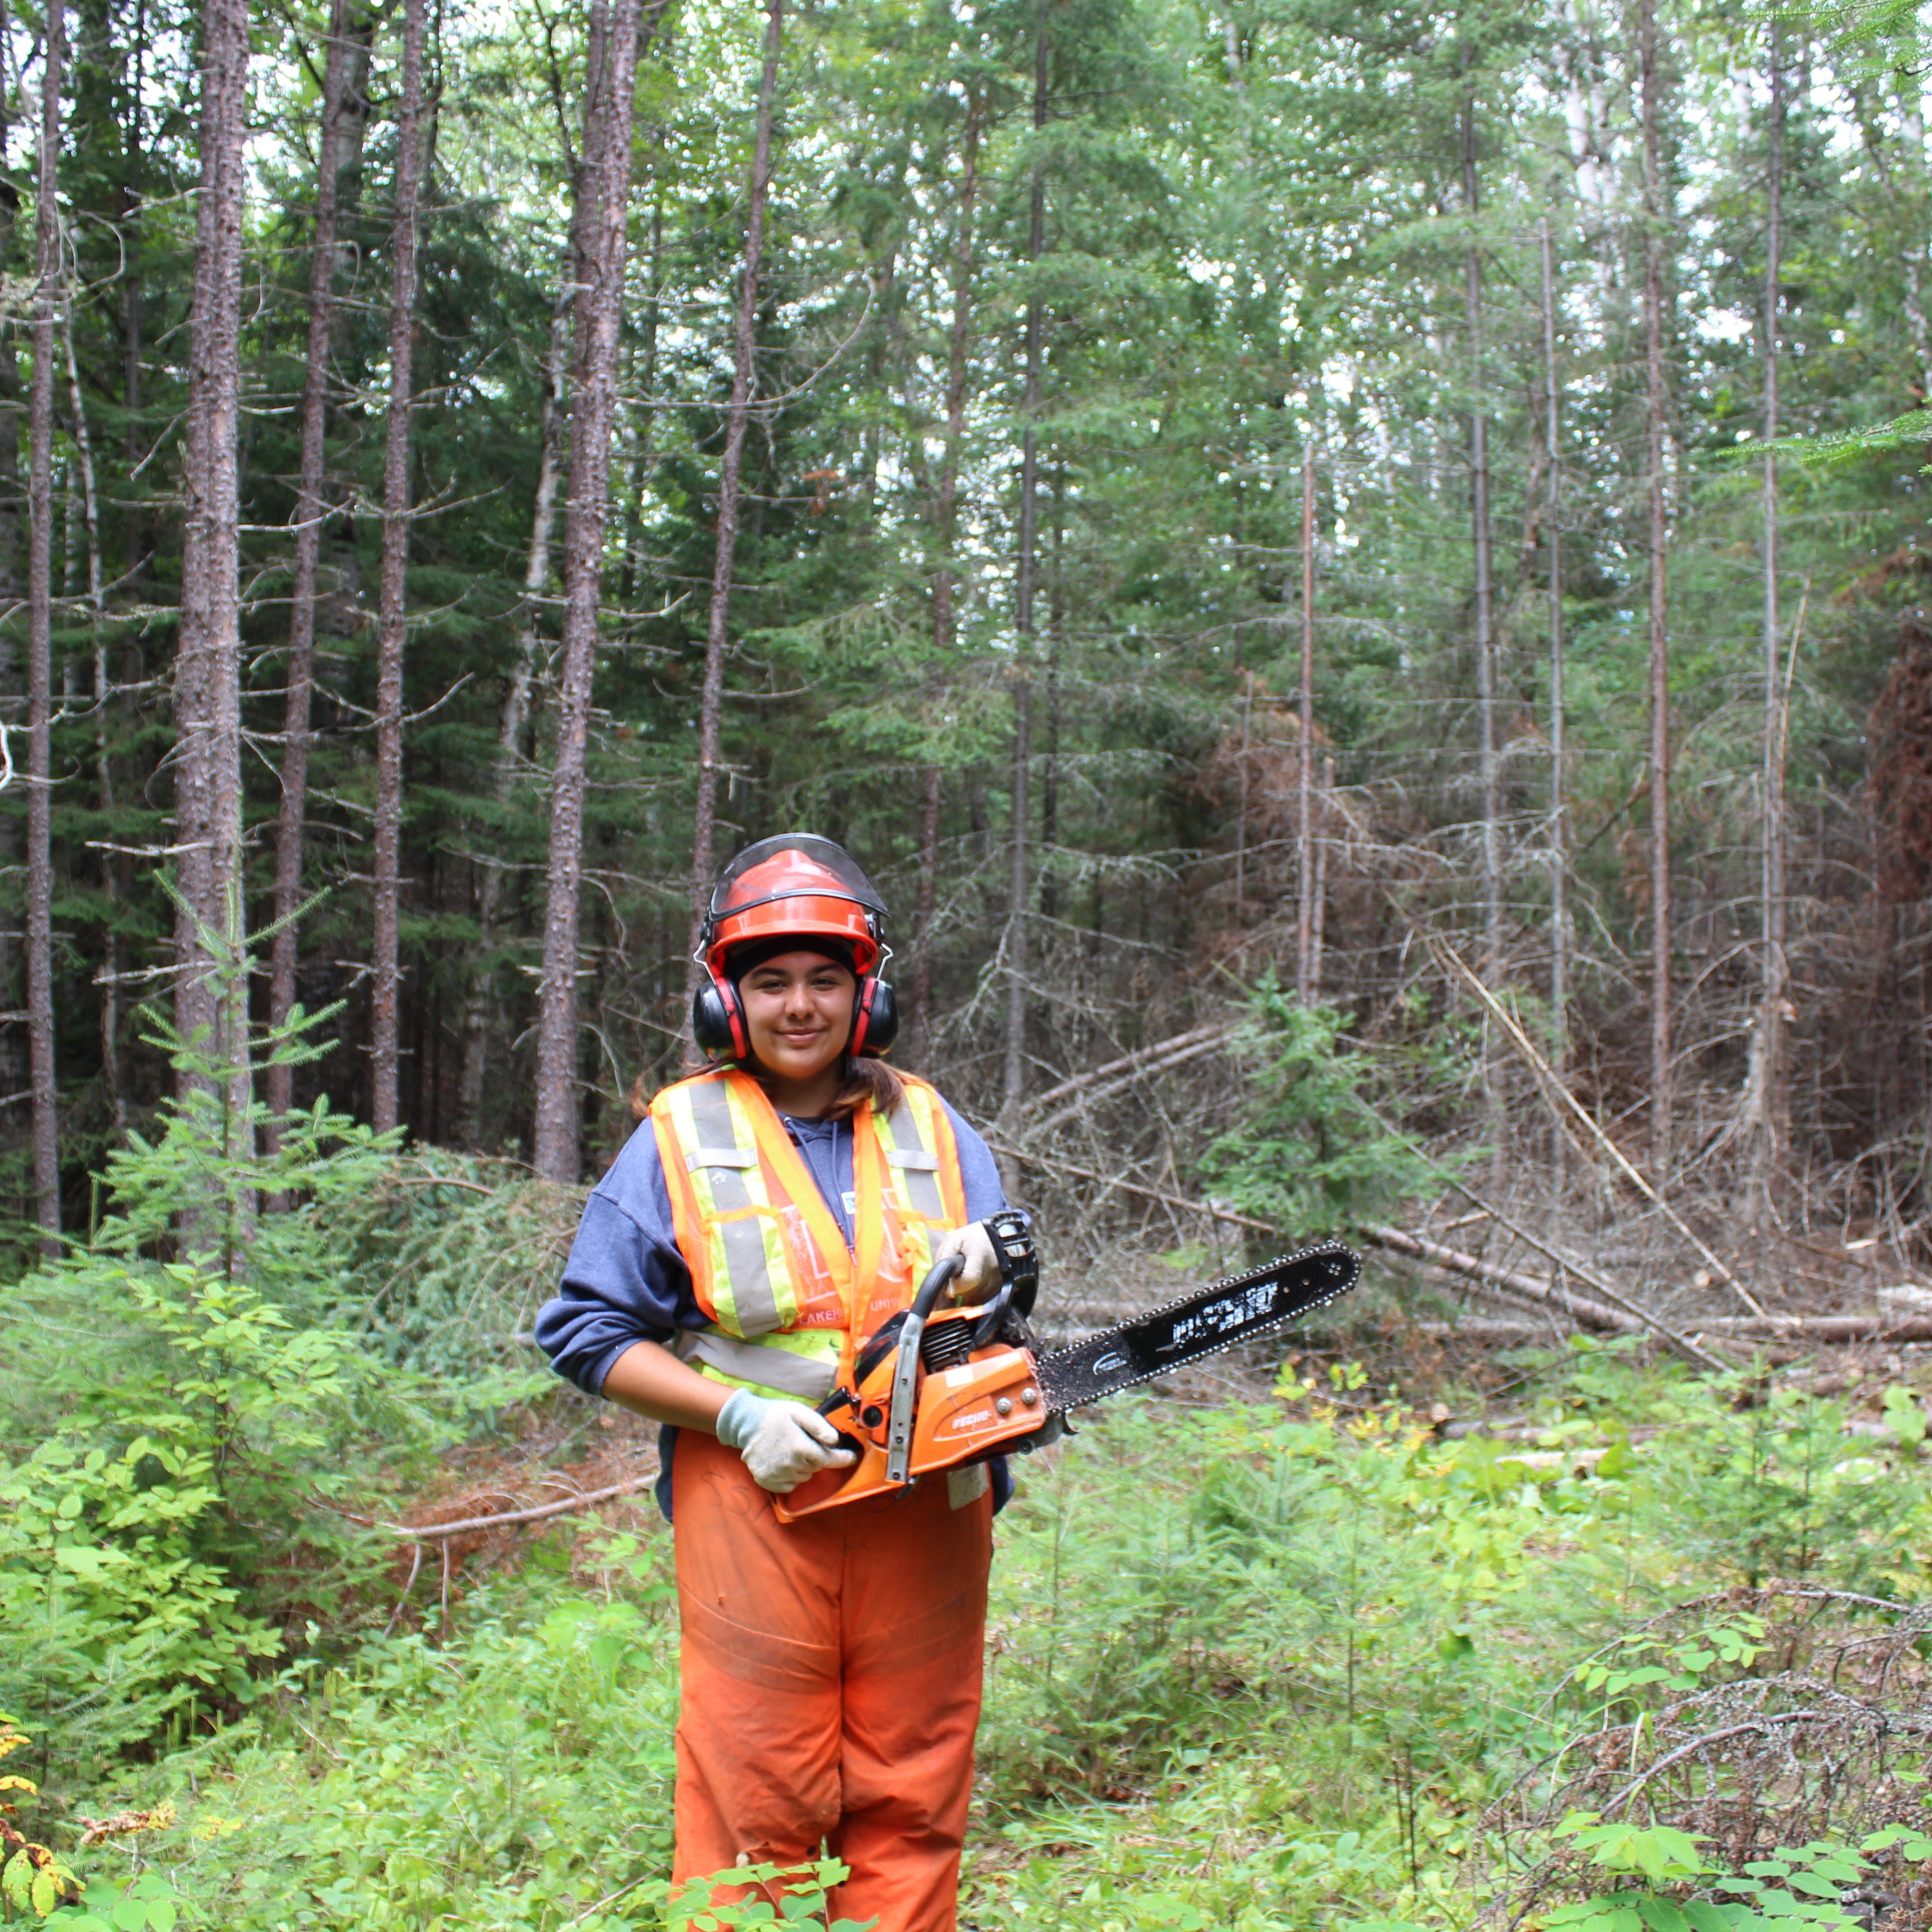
[192,1414]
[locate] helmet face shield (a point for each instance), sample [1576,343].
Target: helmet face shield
[794,884]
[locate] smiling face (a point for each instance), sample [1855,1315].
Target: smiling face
[798,1017]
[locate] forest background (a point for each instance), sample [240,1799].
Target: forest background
[1358,583]
[1123,398]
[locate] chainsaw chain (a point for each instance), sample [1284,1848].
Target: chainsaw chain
[1195,1326]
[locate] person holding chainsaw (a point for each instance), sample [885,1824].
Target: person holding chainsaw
[786,1203]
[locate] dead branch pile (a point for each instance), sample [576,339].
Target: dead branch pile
[1754,1719]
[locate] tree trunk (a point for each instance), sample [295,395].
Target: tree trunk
[509,740]
[1488,767]
[1768,1122]
[945,579]
[134,527]
[211,996]
[1660,1071]
[310,516]
[1322,815]
[112,962]
[46,1127]
[607,179]
[1488,764]
[737,418]
[1013,1098]
[15,1052]
[1559,875]
[393,614]
[1304,774]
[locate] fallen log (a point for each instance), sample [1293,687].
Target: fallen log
[1522,1288]
[1822,1327]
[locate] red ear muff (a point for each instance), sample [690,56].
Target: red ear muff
[718,1020]
[875,1019]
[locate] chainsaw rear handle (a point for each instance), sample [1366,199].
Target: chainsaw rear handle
[905,1369]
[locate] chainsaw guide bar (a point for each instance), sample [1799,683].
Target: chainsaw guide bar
[1197,1325]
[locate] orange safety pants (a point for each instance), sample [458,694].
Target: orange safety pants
[831,1684]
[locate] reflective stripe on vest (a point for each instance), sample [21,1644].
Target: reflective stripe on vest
[779,1362]
[910,1137]
[768,1262]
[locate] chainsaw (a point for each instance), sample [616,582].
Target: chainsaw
[936,1389]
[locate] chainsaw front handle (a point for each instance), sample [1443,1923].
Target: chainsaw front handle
[905,1369]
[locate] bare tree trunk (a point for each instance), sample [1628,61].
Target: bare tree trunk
[392,619]
[1324,815]
[211,1005]
[607,177]
[1488,766]
[310,515]
[15,1050]
[104,768]
[1660,1070]
[509,739]
[1767,1125]
[737,419]
[131,294]
[1489,774]
[46,1125]
[1559,861]
[945,579]
[1305,976]
[1014,1086]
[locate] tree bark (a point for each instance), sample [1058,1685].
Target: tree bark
[1305,977]
[310,515]
[1559,874]
[112,962]
[15,1052]
[1768,1122]
[945,579]
[737,419]
[1014,1085]
[1660,1068]
[1488,767]
[392,621]
[510,737]
[210,1000]
[606,180]
[47,295]
[134,527]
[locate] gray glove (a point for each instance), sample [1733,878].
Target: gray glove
[783,1442]
[979,1279]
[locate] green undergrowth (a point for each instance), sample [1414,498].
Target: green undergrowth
[1284,1665]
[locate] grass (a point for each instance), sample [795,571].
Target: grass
[1263,1665]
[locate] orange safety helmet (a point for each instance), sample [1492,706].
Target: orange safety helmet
[794,884]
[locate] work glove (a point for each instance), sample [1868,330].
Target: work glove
[782,1442]
[979,1279]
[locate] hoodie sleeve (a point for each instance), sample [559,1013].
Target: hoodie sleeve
[625,1282]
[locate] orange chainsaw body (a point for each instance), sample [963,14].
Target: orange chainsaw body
[964,1414]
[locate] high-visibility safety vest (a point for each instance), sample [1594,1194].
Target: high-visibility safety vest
[786,1303]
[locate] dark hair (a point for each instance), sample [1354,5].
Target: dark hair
[869,1082]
